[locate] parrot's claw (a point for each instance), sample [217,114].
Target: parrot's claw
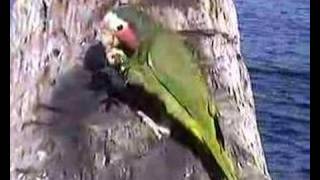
[158,130]
[115,56]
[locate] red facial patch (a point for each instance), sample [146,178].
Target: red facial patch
[128,37]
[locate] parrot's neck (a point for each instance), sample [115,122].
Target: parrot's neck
[141,53]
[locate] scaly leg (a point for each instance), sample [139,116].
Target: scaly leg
[158,130]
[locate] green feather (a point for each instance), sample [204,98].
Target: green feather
[164,66]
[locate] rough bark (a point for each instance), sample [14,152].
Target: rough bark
[58,126]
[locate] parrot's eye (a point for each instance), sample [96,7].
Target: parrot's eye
[119,27]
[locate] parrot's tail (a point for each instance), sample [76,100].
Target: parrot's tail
[214,147]
[222,159]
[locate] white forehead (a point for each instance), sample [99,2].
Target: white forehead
[113,21]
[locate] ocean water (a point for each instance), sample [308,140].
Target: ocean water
[275,42]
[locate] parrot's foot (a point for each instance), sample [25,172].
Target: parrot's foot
[115,56]
[158,130]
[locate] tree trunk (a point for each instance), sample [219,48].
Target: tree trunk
[58,126]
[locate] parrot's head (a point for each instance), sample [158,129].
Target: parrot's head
[129,25]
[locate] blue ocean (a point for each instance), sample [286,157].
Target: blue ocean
[275,43]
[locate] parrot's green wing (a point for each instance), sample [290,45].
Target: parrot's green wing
[174,68]
[142,74]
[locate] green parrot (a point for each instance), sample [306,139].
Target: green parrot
[160,61]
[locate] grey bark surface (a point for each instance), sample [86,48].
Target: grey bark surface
[58,126]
